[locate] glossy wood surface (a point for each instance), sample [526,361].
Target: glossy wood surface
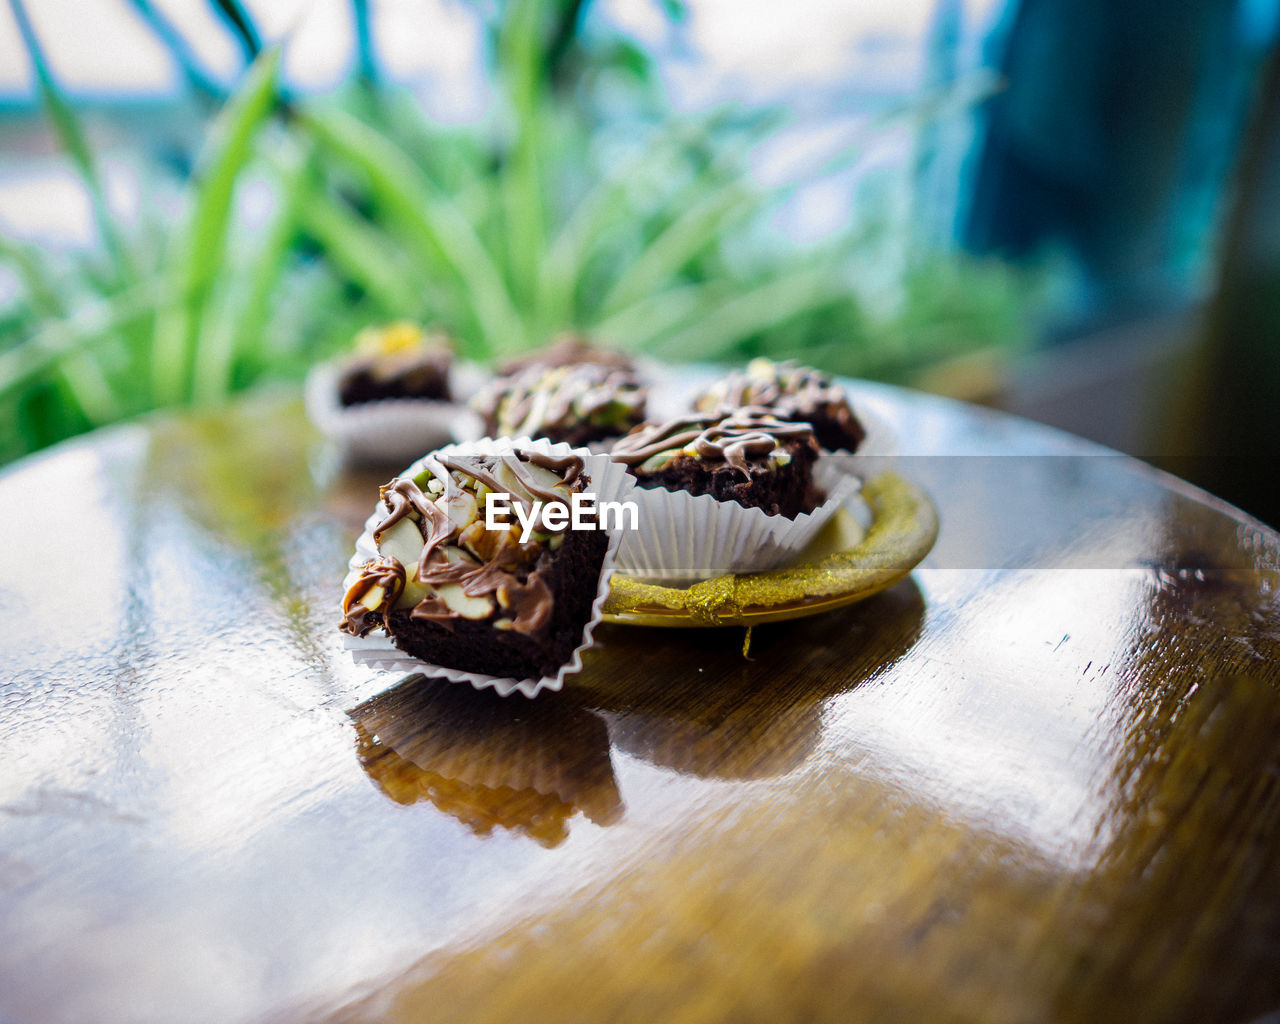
[1037,781]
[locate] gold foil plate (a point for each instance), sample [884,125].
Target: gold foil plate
[842,565]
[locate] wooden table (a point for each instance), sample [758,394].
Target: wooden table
[1038,781]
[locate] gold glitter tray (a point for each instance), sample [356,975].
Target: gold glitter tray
[840,566]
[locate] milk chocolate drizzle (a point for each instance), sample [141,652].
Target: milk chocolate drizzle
[539,398]
[568,350]
[386,573]
[403,496]
[789,390]
[527,601]
[738,439]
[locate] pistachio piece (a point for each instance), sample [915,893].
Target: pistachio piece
[655,462]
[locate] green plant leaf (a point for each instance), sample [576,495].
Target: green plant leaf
[199,251]
[663,256]
[215,344]
[41,286]
[606,201]
[716,333]
[90,389]
[648,320]
[523,203]
[441,235]
[90,325]
[360,251]
[72,136]
[267,269]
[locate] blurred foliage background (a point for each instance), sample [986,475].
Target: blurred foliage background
[1060,173]
[581,200]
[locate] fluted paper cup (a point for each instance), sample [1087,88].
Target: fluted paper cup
[683,537]
[389,430]
[377,650]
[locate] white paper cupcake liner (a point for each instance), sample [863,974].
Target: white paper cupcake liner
[464,430]
[390,429]
[377,651]
[685,537]
[673,395]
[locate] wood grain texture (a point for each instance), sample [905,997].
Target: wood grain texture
[1037,781]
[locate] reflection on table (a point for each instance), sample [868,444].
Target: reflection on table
[490,762]
[742,716]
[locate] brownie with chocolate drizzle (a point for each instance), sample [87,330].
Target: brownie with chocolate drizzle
[791,392]
[568,349]
[578,404]
[452,592]
[397,360]
[749,456]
